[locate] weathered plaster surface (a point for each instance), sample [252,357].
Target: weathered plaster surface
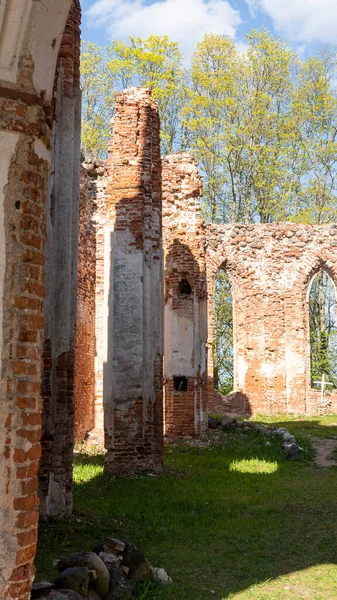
[185,314]
[31,28]
[133,367]
[8,141]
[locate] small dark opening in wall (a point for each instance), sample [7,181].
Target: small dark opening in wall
[185,288]
[180,384]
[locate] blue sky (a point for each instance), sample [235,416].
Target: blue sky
[305,24]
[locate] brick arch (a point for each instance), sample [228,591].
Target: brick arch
[31,37]
[320,262]
[217,257]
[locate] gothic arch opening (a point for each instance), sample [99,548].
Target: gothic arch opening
[322,332]
[223,333]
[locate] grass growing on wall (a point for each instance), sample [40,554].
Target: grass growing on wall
[235,519]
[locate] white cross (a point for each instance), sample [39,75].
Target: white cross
[323,385]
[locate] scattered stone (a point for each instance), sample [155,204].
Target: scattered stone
[213,423]
[114,545]
[71,594]
[93,563]
[74,578]
[136,561]
[88,166]
[120,588]
[224,421]
[249,424]
[93,595]
[41,588]
[110,559]
[56,595]
[99,162]
[289,438]
[293,451]
[160,575]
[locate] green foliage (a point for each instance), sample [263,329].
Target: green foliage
[97,102]
[262,124]
[155,63]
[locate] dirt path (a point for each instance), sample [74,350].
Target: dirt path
[324,450]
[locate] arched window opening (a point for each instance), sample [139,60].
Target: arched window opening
[223,350]
[323,332]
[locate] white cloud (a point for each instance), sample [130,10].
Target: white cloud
[185,21]
[301,20]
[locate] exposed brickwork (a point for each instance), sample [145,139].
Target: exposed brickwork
[185,307]
[270,268]
[21,363]
[85,326]
[133,354]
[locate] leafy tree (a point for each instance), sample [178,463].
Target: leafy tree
[155,63]
[239,116]
[315,104]
[97,105]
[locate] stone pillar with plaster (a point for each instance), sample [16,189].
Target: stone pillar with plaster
[55,474]
[185,357]
[133,288]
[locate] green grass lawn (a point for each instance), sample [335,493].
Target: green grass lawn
[232,520]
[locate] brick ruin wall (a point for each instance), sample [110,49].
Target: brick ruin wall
[270,268]
[185,331]
[266,266]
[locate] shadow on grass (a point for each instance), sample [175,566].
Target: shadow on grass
[220,519]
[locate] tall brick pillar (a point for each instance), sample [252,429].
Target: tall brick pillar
[133,288]
[185,298]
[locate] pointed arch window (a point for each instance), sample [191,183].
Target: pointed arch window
[223,347]
[323,330]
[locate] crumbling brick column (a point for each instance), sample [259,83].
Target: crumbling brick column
[133,288]
[185,371]
[55,474]
[85,341]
